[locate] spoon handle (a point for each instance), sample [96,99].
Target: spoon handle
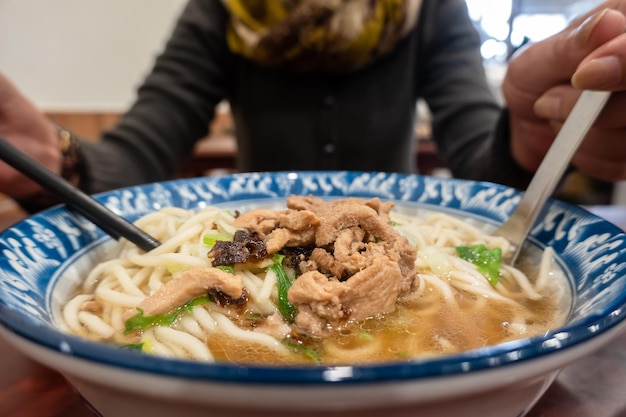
[552,167]
[114,225]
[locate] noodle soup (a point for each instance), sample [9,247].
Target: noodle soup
[419,293]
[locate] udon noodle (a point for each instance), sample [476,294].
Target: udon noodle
[449,305]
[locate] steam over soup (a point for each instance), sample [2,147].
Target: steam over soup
[320,282]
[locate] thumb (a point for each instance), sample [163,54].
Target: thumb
[7,91]
[13,104]
[554,60]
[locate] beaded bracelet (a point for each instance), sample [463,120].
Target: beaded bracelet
[72,162]
[72,169]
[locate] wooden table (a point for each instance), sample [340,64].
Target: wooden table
[594,386]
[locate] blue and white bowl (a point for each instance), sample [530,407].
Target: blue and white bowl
[503,380]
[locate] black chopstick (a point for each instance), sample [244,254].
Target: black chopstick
[114,225]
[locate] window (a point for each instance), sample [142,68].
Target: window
[491,18]
[505,25]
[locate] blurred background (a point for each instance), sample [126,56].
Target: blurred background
[81,61]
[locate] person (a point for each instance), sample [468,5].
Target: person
[332,85]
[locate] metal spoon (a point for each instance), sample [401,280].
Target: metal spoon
[551,169]
[114,225]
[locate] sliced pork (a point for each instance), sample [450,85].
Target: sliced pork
[360,264]
[188,285]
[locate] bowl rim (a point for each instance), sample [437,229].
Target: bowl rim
[485,358]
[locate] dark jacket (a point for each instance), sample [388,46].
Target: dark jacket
[293,121]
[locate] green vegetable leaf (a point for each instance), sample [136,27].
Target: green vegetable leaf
[212,238]
[487,260]
[227,268]
[140,322]
[311,353]
[367,336]
[283,282]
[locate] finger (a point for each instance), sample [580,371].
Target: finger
[7,91]
[14,107]
[603,155]
[603,69]
[558,102]
[554,60]
[537,136]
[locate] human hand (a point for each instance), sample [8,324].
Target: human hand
[27,128]
[544,81]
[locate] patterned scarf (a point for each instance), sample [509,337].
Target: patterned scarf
[336,36]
